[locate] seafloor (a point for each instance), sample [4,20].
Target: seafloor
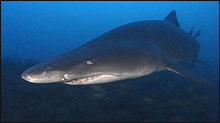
[162,96]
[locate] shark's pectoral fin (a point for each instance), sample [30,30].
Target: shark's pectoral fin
[187,73]
[195,60]
[200,61]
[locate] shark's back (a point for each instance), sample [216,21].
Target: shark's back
[173,40]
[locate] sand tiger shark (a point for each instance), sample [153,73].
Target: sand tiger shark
[129,51]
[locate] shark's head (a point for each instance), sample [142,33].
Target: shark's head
[87,65]
[44,72]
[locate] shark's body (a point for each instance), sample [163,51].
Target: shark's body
[129,51]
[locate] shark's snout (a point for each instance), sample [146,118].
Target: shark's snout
[39,75]
[24,76]
[28,77]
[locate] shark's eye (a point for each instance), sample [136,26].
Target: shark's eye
[89,62]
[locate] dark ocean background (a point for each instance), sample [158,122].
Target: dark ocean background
[34,31]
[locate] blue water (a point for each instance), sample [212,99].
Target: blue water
[35,31]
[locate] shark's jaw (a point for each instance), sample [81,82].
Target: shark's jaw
[94,79]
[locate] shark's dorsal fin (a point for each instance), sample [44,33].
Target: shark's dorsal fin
[197,34]
[171,17]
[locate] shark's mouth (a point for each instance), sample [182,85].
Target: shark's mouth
[89,79]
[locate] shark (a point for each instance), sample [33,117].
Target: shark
[129,51]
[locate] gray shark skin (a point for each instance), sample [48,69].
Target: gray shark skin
[129,51]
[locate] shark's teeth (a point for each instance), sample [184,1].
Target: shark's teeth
[82,80]
[86,80]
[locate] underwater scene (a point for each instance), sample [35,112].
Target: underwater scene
[109,61]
